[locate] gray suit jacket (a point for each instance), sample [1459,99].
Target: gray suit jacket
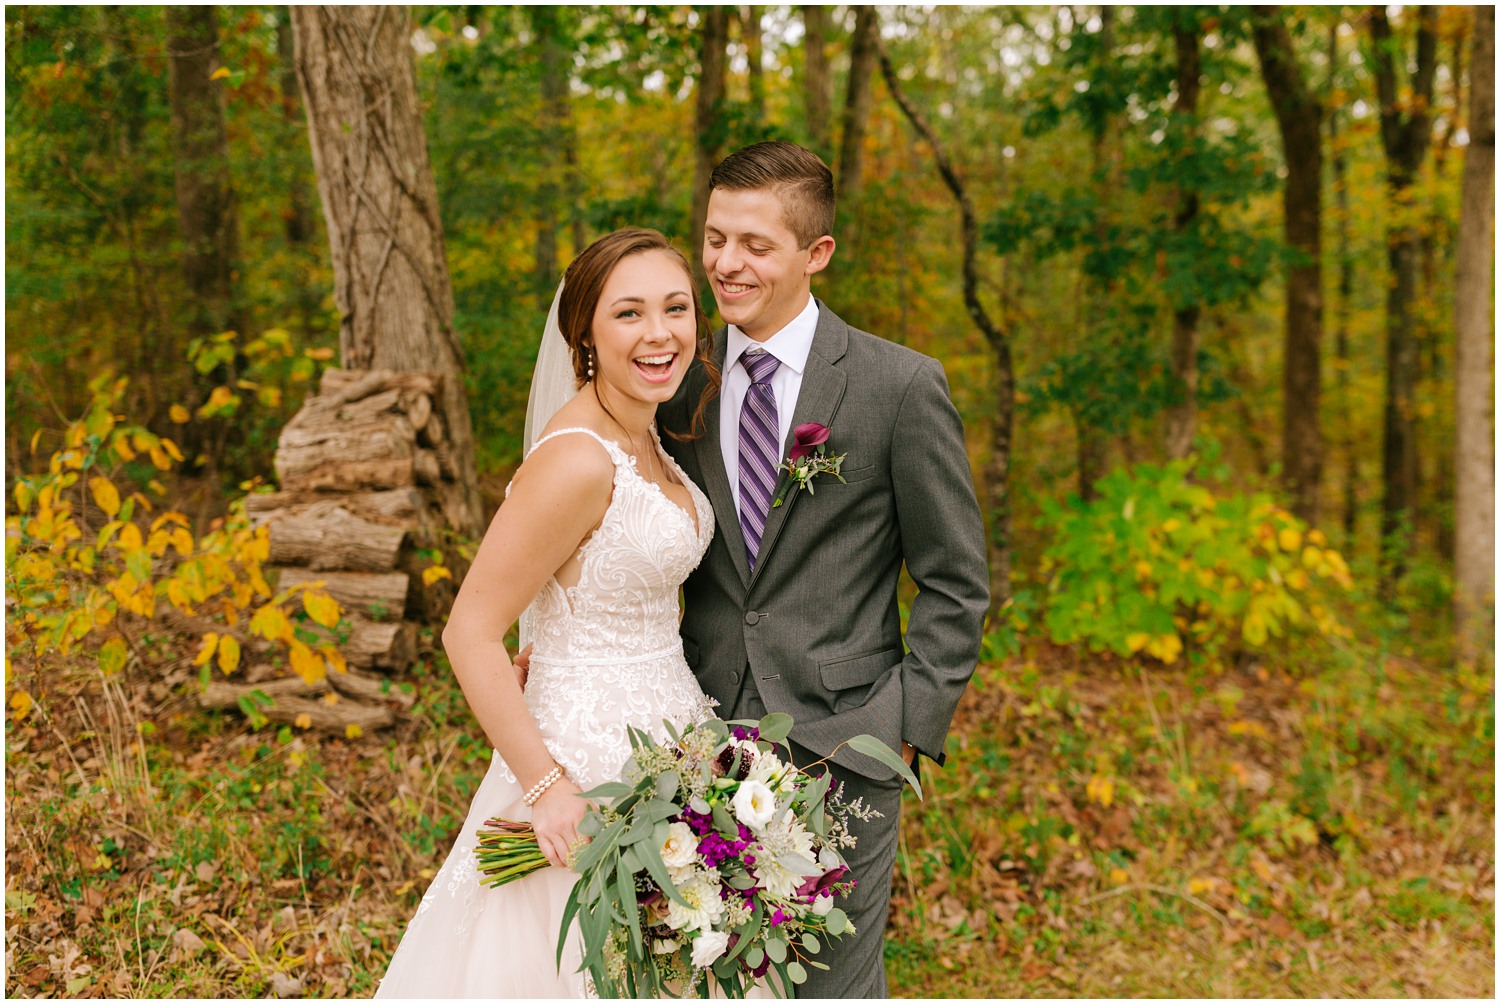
[817,622]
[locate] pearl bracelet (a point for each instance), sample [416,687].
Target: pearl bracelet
[540,788]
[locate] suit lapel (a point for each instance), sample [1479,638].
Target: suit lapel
[715,478]
[817,401]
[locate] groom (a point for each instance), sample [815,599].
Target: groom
[793,608]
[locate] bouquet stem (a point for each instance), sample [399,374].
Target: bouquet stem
[508,851]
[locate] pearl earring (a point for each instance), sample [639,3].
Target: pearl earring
[590,356]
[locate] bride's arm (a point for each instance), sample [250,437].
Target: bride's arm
[556,499]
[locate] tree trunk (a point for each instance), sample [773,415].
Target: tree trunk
[1342,362]
[299,221]
[754,53]
[857,106]
[713,40]
[1299,114]
[206,208]
[390,276]
[1092,441]
[1473,367]
[1405,134]
[1003,380]
[1182,417]
[554,56]
[817,81]
[298,218]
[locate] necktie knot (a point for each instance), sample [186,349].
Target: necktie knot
[760,364]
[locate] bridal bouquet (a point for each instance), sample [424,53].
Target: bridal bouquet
[711,856]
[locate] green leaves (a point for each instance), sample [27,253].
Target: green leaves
[872,747]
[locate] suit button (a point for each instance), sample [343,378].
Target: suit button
[734,678]
[752,618]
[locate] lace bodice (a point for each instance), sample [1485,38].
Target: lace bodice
[606,649]
[625,602]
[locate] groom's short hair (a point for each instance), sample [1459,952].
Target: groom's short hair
[797,177]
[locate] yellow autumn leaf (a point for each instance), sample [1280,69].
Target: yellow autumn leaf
[319,354]
[20,705]
[305,662]
[122,447]
[112,656]
[179,414]
[219,74]
[335,659]
[1290,539]
[433,573]
[1102,790]
[1136,641]
[106,495]
[1200,885]
[303,721]
[171,449]
[270,622]
[321,607]
[353,731]
[210,642]
[1118,876]
[229,655]
[331,698]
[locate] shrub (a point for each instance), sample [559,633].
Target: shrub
[1158,565]
[89,565]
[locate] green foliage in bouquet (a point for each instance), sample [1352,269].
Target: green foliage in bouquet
[1158,564]
[713,862]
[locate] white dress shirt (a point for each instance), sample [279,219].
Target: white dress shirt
[791,345]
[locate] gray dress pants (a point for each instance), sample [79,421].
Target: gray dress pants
[856,964]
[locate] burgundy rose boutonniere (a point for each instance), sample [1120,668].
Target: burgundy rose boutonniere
[808,459]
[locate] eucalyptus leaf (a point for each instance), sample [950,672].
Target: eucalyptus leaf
[810,942]
[625,883]
[796,972]
[775,727]
[699,805]
[755,957]
[776,949]
[837,921]
[872,747]
[667,783]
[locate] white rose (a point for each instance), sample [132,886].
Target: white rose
[822,906]
[681,846]
[708,947]
[754,804]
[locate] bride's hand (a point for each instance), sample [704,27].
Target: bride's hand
[555,818]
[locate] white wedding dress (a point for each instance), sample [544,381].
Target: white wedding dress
[607,655]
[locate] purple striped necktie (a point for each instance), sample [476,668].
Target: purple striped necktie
[759,448]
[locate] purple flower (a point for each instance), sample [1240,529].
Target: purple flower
[777,917]
[807,437]
[740,732]
[819,884]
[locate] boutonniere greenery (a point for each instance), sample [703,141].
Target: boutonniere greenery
[809,458]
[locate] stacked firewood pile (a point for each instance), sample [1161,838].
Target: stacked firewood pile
[363,469]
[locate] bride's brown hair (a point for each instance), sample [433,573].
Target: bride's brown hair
[583,284]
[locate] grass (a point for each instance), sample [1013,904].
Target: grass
[1100,830]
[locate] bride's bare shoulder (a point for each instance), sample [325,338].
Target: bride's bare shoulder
[567,462]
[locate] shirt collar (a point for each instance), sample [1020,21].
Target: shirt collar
[791,344]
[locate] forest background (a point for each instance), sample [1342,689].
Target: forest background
[1213,288]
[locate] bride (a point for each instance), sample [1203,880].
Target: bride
[598,531]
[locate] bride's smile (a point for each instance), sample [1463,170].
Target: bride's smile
[644,331]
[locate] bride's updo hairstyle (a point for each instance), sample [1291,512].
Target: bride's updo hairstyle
[583,284]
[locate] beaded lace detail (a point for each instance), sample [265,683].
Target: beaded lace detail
[607,653]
